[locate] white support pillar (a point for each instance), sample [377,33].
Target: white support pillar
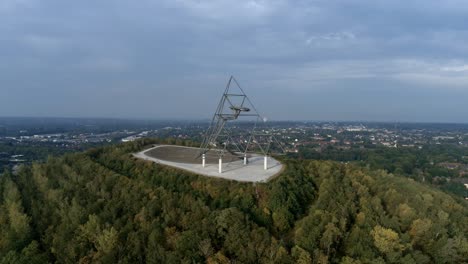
[203,160]
[265,163]
[245,159]
[220,165]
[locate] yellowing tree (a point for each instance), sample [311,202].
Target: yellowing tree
[419,230]
[107,240]
[387,241]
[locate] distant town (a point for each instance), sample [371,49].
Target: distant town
[25,140]
[293,135]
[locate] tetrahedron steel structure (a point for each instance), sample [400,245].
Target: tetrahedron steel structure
[223,136]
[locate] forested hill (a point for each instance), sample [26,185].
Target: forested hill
[103,206]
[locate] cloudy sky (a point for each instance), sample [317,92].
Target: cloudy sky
[375,60]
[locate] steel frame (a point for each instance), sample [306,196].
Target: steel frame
[219,133]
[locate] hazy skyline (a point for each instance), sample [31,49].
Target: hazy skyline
[297,60]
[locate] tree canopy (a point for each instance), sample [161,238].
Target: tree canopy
[104,206]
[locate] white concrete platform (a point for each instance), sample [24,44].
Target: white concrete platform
[254,171]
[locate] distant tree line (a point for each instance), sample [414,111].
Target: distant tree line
[419,164]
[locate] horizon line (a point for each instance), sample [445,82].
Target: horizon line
[180,119]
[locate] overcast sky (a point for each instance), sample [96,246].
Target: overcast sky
[375,60]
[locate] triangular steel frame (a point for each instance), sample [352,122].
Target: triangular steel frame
[220,134]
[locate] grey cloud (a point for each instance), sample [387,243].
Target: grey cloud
[153,55]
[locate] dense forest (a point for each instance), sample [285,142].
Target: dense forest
[419,164]
[402,160]
[35,152]
[104,206]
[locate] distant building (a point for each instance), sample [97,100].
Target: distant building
[450,165]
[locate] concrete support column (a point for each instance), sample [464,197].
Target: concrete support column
[203,160]
[245,159]
[265,163]
[220,165]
